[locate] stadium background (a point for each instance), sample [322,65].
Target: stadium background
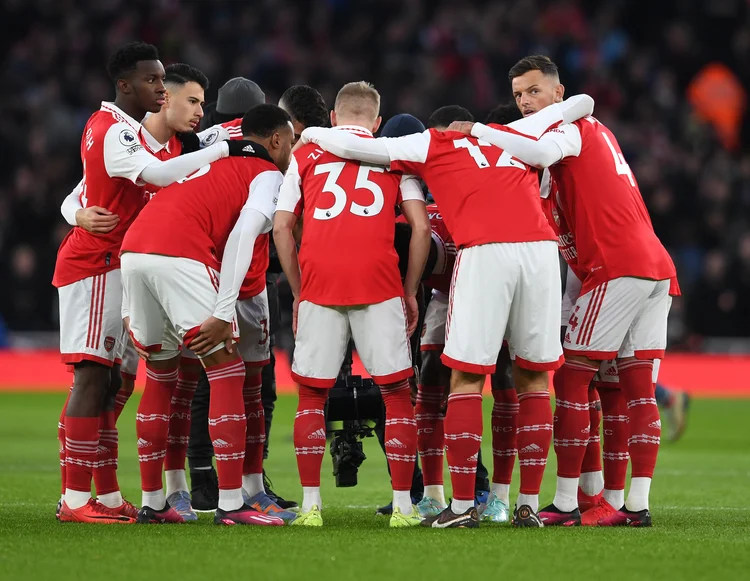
[668,77]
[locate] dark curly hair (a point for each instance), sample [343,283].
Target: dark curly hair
[263,120]
[306,105]
[123,61]
[446,115]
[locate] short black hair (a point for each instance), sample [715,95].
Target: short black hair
[306,105]
[264,120]
[503,114]
[446,115]
[181,74]
[537,62]
[126,58]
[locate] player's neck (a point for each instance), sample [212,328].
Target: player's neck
[131,109]
[156,125]
[355,122]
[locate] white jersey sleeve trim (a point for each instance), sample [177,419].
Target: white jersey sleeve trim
[71,204]
[412,148]
[411,188]
[213,135]
[238,256]
[124,155]
[347,145]
[264,193]
[291,188]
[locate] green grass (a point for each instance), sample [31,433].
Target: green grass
[699,503]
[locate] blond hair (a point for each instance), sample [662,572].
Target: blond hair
[359,100]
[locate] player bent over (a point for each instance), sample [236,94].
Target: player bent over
[346,282]
[175,295]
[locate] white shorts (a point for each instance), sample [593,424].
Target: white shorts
[130,359]
[608,376]
[570,296]
[433,330]
[91,327]
[168,299]
[380,336]
[624,317]
[252,320]
[508,290]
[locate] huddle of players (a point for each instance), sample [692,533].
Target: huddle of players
[346,282]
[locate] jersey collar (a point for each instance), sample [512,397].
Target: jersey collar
[152,143]
[120,115]
[354,129]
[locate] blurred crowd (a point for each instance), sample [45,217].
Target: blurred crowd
[636,58]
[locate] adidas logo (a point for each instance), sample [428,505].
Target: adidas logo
[248,149]
[319,434]
[611,371]
[473,458]
[395,443]
[143,443]
[530,448]
[102,449]
[221,444]
[656,424]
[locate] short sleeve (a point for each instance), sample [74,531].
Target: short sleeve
[124,156]
[567,138]
[290,194]
[408,154]
[264,192]
[213,135]
[410,188]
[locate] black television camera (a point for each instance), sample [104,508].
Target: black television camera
[356,404]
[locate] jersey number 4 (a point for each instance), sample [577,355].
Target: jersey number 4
[333,173]
[505,160]
[621,165]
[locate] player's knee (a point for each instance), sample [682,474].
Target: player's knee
[581,359]
[527,380]
[463,382]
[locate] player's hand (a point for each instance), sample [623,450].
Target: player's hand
[295,311]
[412,313]
[143,354]
[461,127]
[97,220]
[213,332]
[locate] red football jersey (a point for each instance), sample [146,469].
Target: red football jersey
[483,193]
[255,281]
[347,255]
[194,217]
[565,239]
[602,204]
[162,151]
[113,159]
[442,272]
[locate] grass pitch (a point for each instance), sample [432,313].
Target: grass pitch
[699,505]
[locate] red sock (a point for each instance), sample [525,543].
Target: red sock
[572,382]
[81,441]
[256,421]
[123,394]
[226,421]
[188,374]
[152,425]
[105,471]
[61,439]
[615,424]
[463,438]
[533,439]
[310,434]
[504,426]
[644,425]
[400,433]
[430,440]
[592,459]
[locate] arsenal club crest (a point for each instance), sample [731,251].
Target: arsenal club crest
[109,343]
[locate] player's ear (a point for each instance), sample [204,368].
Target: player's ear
[376,126]
[559,93]
[123,86]
[333,118]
